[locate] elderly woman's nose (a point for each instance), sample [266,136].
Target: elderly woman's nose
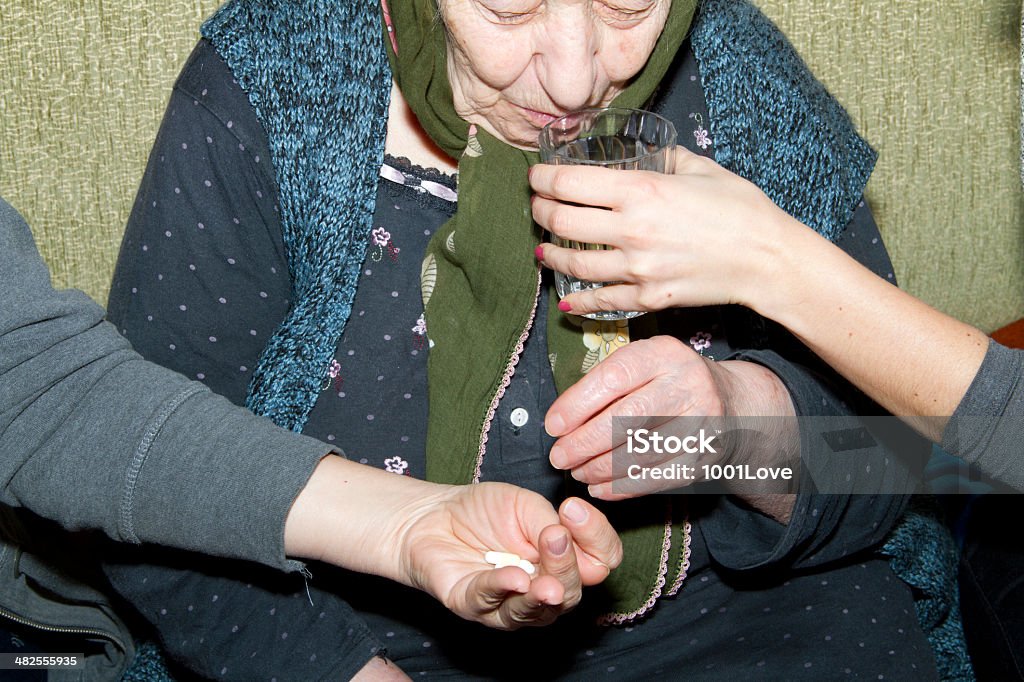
[568,63]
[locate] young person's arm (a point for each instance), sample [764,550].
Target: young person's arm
[93,436]
[728,243]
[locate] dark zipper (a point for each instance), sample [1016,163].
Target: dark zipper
[10,615]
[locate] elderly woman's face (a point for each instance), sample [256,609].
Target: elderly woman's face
[515,65]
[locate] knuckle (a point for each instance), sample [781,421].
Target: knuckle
[637,406]
[572,598]
[587,441]
[577,264]
[616,554]
[702,164]
[563,181]
[646,299]
[616,374]
[653,298]
[560,220]
[639,270]
[603,468]
[665,346]
[520,616]
[603,298]
[647,184]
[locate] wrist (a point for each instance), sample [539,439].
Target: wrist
[766,435]
[773,289]
[752,390]
[409,531]
[356,517]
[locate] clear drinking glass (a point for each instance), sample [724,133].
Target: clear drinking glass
[623,139]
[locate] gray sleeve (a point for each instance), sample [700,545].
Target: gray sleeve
[987,428]
[93,436]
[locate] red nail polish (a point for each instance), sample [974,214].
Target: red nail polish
[538,253]
[564,307]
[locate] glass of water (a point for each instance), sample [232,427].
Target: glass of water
[623,139]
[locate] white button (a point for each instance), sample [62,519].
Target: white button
[519,417]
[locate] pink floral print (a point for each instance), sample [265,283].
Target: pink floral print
[700,342]
[701,135]
[381,239]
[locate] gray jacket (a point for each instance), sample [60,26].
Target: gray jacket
[987,428]
[94,437]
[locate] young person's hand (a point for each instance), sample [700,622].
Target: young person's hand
[434,537]
[700,236]
[443,553]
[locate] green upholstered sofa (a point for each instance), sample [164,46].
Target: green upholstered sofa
[933,85]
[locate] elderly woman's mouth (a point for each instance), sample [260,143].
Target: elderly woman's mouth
[538,118]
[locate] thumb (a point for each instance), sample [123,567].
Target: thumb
[559,561]
[598,547]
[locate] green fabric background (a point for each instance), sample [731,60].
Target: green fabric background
[934,86]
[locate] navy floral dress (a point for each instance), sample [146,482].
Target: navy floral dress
[202,283]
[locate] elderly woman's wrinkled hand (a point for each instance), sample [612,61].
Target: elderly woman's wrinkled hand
[444,543]
[700,236]
[658,377]
[662,380]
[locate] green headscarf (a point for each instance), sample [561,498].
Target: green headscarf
[480,284]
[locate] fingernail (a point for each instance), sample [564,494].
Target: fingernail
[538,252]
[554,424]
[564,307]
[574,511]
[558,547]
[557,457]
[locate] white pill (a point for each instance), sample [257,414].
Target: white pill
[527,566]
[502,559]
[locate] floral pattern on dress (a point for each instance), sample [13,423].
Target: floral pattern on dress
[396,465]
[701,341]
[333,376]
[701,135]
[419,332]
[381,239]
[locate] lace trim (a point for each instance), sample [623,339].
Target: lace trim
[659,586]
[684,560]
[401,171]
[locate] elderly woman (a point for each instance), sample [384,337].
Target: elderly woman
[300,244]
